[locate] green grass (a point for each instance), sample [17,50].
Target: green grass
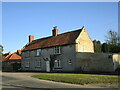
[78,78]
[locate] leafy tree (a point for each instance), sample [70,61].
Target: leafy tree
[105,47]
[1,54]
[97,46]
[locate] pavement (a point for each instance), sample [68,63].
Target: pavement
[25,81]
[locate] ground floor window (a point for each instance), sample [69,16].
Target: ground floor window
[27,64]
[37,63]
[83,48]
[57,63]
[70,61]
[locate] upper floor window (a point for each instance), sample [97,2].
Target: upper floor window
[26,54]
[38,51]
[57,50]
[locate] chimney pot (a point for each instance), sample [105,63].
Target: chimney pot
[31,38]
[55,31]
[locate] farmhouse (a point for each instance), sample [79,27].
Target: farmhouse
[67,52]
[56,52]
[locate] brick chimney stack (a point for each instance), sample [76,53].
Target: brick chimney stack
[31,38]
[55,31]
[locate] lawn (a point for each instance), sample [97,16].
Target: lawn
[78,78]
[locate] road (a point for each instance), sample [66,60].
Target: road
[25,81]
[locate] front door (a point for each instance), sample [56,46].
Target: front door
[47,66]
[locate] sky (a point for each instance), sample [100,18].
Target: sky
[21,19]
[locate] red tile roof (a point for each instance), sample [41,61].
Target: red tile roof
[19,52]
[6,54]
[12,56]
[60,39]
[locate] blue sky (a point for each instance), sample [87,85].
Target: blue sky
[22,19]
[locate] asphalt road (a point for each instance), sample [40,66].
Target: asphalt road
[25,81]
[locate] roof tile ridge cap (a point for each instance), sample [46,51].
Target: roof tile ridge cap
[16,54]
[57,35]
[13,55]
[42,38]
[8,55]
[72,31]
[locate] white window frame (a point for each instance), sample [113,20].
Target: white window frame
[70,61]
[37,63]
[27,63]
[83,48]
[57,50]
[57,63]
[38,51]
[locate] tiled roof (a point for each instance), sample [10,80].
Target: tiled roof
[6,54]
[60,39]
[19,52]
[12,56]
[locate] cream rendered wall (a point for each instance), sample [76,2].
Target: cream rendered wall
[84,42]
[116,60]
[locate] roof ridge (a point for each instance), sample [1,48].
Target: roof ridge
[50,41]
[70,31]
[10,55]
[7,57]
[57,35]
[41,38]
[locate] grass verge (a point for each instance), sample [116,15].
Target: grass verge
[78,78]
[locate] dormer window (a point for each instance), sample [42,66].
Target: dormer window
[57,50]
[38,51]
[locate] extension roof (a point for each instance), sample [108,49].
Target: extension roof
[61,39]
[12,57]
[6,54]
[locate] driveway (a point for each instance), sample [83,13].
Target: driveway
[24,80]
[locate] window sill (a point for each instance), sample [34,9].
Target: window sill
[57,68]
[38,67]
[37,56]
[27,67]
[57,53]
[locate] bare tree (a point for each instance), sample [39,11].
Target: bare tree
[112,37]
